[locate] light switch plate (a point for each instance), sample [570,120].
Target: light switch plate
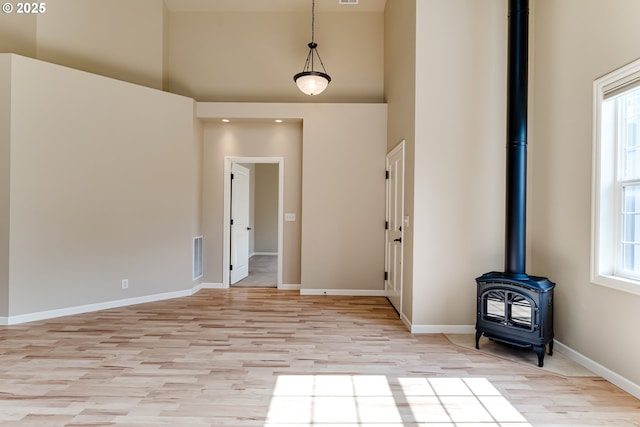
[290,217]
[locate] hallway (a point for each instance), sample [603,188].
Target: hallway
[263,273]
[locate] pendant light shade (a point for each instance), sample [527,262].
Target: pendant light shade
[309,81]
[312,82]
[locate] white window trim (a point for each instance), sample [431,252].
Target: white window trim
[604,222]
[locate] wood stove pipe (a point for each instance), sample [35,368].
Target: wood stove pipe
[516,179]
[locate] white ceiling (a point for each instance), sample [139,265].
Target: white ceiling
[271,6]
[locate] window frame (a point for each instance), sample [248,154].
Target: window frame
[606,215]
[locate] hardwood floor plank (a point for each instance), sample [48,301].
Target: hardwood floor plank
[228,357]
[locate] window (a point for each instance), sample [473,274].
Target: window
[615,243]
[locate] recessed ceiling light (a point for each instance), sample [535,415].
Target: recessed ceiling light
[278,120]
[225,120]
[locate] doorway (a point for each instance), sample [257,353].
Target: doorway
[241,221]
[240,226]
[394,226]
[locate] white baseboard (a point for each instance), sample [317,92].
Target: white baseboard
[208,285]
[405,320]
[344,292]
[265,253]
[289,287]
[68,311]
[50,314]
[442,329]
[606,373]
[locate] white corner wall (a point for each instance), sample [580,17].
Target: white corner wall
[400,94]
[458,218]
[102,188]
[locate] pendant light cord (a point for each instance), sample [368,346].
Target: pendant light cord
[313,21]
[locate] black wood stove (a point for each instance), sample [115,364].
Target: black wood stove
[516,311]
[512,307]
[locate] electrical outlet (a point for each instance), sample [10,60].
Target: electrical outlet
[125,283]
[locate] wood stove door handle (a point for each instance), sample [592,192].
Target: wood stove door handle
[399,240]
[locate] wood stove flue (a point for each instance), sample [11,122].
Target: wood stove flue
[513,307]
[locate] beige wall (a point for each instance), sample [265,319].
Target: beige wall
[5,179]
[266,208]
[196,174]
[459,155]
[245,56]
[343,149]
[578,41]
[252,203]
[165,47]
[221,56]
[344,195]
[250,139]
[122,39]
[400,86]
[126,40]
[18,33]
[101,189]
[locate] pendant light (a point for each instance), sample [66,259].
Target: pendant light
[309,81]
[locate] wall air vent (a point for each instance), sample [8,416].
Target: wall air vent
[347,1]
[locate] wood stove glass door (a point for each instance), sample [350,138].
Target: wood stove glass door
[509,308]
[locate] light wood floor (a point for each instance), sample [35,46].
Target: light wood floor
[263,357]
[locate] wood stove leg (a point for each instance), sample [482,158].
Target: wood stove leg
[540,351]
[478,335]
[551,348]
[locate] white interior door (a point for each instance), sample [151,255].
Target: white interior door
[394,232]
[240,227]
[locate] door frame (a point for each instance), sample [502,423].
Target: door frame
[226,239]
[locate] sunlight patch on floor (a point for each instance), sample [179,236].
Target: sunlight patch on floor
[376,400]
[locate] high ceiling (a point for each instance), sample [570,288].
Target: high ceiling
[272,5]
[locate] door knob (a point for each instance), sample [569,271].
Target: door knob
[399,240]
[248,228]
